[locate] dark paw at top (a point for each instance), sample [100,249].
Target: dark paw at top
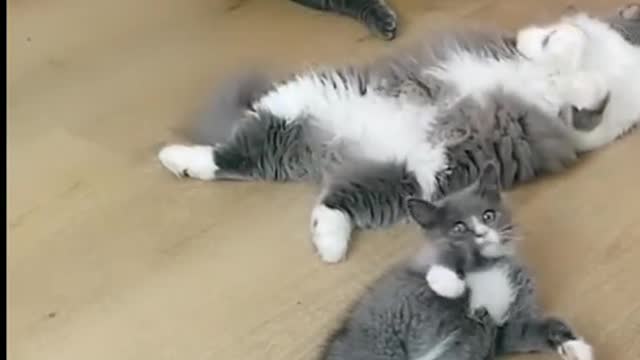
[381,20]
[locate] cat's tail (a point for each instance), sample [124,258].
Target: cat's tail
[228,105]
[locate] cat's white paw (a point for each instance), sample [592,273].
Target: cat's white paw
[330,233]
[445,282]
[560,46]
[189,161]
[576,350]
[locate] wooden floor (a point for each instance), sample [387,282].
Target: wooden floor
[111,257]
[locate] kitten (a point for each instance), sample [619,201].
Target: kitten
[424,122]
[402,317]
[377,15]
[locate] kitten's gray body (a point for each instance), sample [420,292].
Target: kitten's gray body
[403,317]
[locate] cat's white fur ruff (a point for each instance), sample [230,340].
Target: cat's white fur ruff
[493,290]
[581,61]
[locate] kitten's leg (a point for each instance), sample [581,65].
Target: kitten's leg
[263,147]
[376,14]
[475,341]
[362,195]
[538,335]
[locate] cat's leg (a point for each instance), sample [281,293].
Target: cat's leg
[263,147]
[375,14]
[541,335]
[474,340]
[362,195]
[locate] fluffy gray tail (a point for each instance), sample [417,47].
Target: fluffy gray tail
[228,105]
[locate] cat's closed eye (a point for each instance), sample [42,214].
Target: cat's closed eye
[488,216]
[459,228]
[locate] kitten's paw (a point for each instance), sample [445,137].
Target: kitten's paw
[330,232]
[576,350]
[481,316]
[445,282]
[561,47]
[381,20]
[189,161]
[630,12]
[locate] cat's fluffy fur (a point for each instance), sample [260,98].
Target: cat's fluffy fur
[402,317]
[423,123]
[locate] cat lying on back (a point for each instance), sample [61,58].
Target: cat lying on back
[423,123]
[402,317]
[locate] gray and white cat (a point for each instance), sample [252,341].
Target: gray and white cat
[424,122]
[404,317]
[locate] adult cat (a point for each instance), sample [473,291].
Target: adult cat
[423,123]
[377,15]
[402,317]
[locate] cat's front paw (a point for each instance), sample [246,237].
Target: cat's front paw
[381,20]
[560,47]
[576,350]
[445,282]
[481,315]
[189,161]
[330,233]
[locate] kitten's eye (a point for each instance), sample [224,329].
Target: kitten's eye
[489,216]
[459,228]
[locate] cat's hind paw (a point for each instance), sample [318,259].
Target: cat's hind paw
[445,282]
[330,233]
[189,161]
[576,350]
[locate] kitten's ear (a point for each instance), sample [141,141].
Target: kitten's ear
[489,182]
[421,211]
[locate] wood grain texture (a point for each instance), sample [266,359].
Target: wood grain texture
[111,257]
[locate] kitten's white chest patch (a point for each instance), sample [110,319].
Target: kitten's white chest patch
[492,289]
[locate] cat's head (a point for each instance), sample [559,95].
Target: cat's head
[598,59]
[566,42]
[474,217]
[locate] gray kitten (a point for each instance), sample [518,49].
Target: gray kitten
[424,122]
[402,317]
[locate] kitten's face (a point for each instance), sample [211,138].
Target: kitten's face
[474,217]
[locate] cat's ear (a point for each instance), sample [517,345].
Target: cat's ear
[489,182]
[421,211]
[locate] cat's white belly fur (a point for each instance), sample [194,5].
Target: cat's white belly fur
[383,128]
[493,290]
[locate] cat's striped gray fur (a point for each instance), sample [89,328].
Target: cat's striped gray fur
[403,317]
[424,121]
[377,15]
